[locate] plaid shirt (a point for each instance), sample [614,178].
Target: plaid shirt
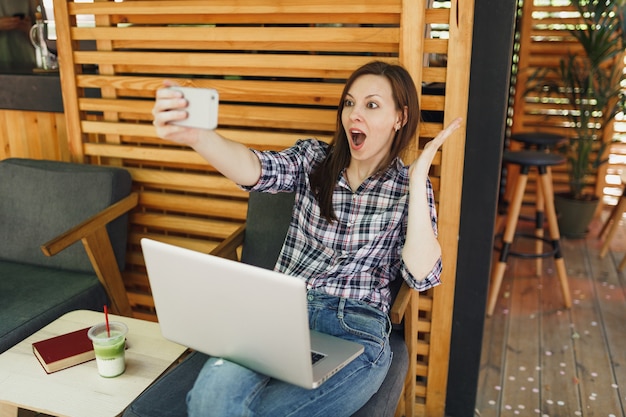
[359,254]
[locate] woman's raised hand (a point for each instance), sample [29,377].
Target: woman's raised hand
[421,165]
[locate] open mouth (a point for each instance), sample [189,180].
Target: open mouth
[358,138]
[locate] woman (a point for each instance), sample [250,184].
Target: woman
[353,231]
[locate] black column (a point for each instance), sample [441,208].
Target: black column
[494,22]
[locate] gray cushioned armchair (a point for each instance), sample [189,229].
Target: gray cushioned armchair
[46,209]
[261,239]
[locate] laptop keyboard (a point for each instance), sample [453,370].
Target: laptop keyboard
[316,357]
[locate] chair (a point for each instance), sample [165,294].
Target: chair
[48,206]
[260,241]
[612,222]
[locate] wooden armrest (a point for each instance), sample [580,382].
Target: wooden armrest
[405,307]
[90,225]
[401,303]
[98,246]
[228,248]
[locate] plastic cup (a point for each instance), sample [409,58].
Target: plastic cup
[109,349]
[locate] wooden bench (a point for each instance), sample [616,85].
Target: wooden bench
[279,67]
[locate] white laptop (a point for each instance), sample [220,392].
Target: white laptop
[248,315]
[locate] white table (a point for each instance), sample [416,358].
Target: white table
[79,391]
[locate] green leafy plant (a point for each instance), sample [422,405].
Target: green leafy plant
[589,82]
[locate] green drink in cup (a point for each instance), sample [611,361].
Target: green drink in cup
[109,347]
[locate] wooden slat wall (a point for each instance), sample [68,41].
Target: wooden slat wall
[279,66]
[32,134]
[544,39]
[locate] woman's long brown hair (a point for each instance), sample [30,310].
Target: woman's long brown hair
[324,177]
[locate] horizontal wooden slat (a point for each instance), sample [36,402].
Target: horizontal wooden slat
[422,348]
[370,40]
[198,244]
[276,117]
[426,303]
[120,106]
[277,140]
[438,15]
[201,205]
[210,184]
[319,18]
[140,299]
[209,228]
[424,326]
[328,39]
[429,130]
[434,75]
[436,46]
[251,91]
[433,102]
[549,9]
[421,369]
[282,11]
[228,64]
[280,140]
[135,279]
[544,61]
[118,128]
[229,115]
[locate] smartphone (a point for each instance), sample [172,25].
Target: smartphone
[201,109]
[20,15]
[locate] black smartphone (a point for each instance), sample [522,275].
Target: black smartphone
[20,15]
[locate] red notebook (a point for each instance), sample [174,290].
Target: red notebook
[65,350]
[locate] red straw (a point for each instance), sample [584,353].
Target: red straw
[106,320]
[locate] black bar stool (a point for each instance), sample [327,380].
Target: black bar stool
[541,141]
[538,140]
[525,160]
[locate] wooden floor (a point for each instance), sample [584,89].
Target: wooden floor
[539,359]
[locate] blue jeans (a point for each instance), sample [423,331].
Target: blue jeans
[224,388]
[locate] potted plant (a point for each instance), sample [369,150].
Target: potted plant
[589,83]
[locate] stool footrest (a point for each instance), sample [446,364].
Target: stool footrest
[528,255]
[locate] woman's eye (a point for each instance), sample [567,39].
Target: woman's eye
[348,103]
[372,105]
